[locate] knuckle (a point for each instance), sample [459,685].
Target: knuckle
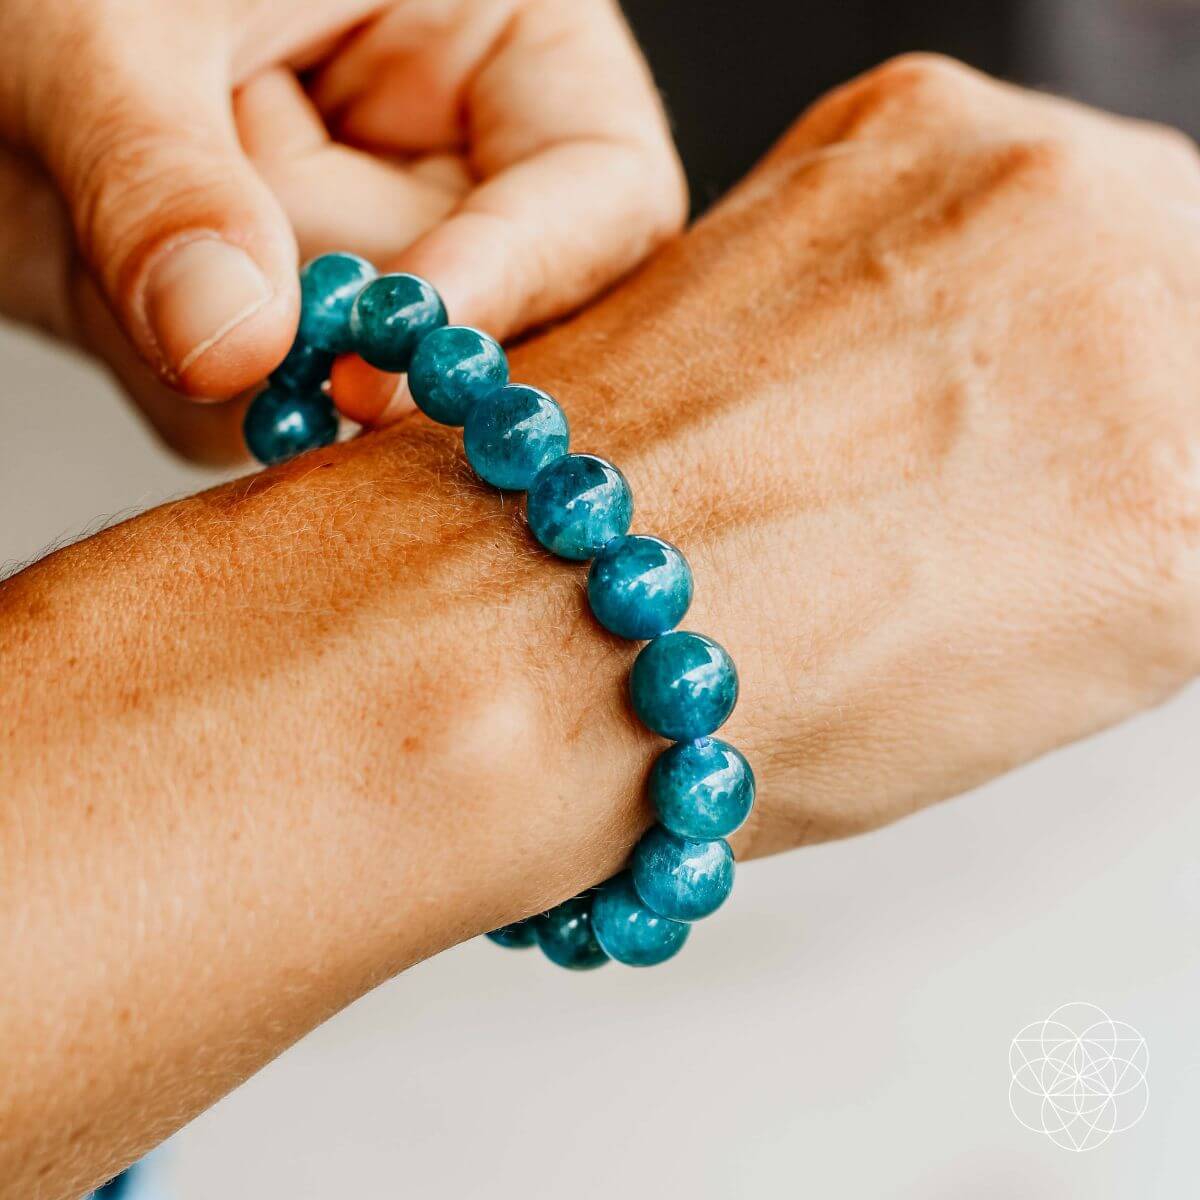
[129,179]
[923,75]
[911,89]
[1175,145]
[916,81]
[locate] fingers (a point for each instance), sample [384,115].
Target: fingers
[188,246]
[561,125]
[579,179]
[400,82]
[337,198]
[43,284]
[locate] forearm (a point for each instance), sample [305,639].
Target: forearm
[264,748]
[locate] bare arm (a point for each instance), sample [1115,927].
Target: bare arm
[264,748]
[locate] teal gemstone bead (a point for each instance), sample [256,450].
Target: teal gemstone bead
[702,789]
[452,368]
[566,938]
[328,287]
[628,931]
[280,424]
[682,878]
[683,685]
[512,433]
[577,504]
[515,937]
[304,369]
[390,316]
[639,586]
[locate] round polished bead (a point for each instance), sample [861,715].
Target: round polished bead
[682,878]
[566,938]
[512,433]
[280,423]
[639,586]
[702,789]
[628,931]
[683,685]
[452,368]
[578,504]
[390,316]
[328,287]
[305,367]
[515,937]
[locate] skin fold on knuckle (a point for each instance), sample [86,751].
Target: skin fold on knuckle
[128,197]
[893,96]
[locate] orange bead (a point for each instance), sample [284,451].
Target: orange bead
[362,392]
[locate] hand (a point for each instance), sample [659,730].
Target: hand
[163,166]
[920,400]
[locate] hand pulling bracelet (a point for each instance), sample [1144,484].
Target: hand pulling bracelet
[683,685]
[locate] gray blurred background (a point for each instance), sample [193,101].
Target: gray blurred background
[842,1028]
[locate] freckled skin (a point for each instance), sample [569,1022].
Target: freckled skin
[935,470]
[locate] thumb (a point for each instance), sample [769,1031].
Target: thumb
[191,250]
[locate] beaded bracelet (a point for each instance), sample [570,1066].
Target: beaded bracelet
[683,685]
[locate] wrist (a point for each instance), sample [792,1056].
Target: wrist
[509,718]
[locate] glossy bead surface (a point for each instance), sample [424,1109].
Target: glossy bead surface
[566,938]
[682,878]
[578,504]
[702,789]
[451,369]
[280,423]
[305,367]
[628,931]
[639,586]
[683,685]
[515,937]
[390,316]
[328,287]
[512,433]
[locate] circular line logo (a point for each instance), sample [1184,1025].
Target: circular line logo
[1078,1076]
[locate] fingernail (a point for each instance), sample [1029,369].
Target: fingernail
[197,294]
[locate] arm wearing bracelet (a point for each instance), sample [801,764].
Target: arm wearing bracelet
[918,404]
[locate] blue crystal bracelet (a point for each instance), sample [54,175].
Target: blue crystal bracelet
[683,686]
